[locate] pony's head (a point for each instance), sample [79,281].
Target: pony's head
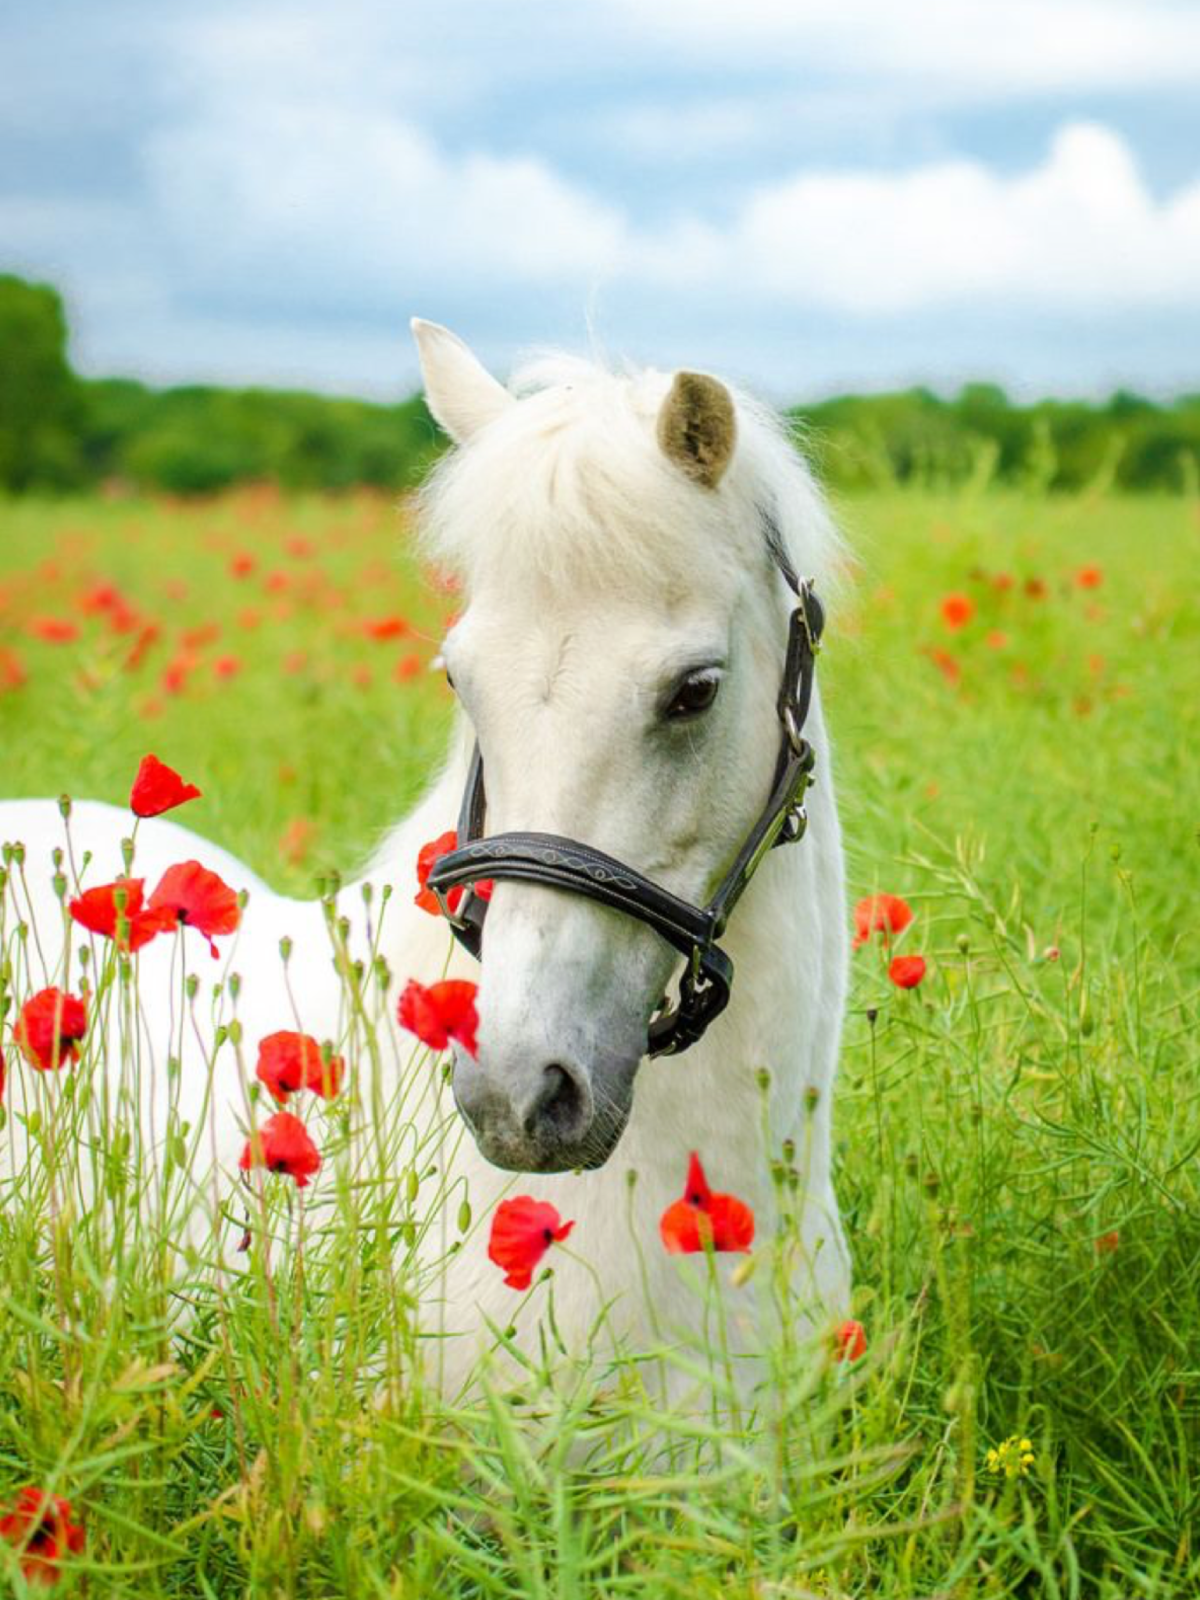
[618,658]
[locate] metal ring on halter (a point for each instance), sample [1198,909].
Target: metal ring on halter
[791,727]
[808,597]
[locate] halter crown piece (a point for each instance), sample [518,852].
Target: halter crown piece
[559,863]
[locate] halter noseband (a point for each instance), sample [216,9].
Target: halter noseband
[559,863]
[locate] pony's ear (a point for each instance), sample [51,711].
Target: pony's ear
[697,427]
[462,395]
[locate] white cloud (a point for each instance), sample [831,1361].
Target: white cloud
[958,49]
[328,204]
[1080,230]
[309,178]
[320,202]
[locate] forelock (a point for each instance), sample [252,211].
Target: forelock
[569,487]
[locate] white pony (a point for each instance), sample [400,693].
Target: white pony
[618,660]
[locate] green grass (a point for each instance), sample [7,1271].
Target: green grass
[992,1125]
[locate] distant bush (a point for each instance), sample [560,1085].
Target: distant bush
[193,440]
[61,432]
[41,400]
[916,437]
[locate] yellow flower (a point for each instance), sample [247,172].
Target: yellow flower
[1013,1457]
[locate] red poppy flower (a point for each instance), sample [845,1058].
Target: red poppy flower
[996,639]
[282,1144]
[523,1229]
[296,840]
[199,899]
[1108,1243]
[426,857]
[39,1526]
[406,668]
[203,633]
[242,565]
[947,664]
[147,638]
[122,617]
[288,1062]
[906,972]
[101,597]
[1003,581]
[1089,577]
[49,1029]
[12,669]
[1035,588]
[176,674]
[387,628]
[55,630]
[957,610]
[441,1012]
[703,1218]
[887,913]
[158,788]
[226,667]
[849,1341]
[97,911]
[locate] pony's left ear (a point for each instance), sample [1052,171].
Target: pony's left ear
[461,393]
[697,427]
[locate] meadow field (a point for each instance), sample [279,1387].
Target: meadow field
[1013,684]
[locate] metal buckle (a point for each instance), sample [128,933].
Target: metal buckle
[454,918]
[805,592]
[792,728]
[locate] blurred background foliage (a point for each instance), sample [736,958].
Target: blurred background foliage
[62,432]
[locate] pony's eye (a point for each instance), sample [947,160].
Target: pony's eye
[694,695]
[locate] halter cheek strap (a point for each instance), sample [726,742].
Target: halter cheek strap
[558,863]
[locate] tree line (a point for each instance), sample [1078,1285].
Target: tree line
[60,432]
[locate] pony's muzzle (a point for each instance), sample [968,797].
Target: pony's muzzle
[541,1118]
[562,1106]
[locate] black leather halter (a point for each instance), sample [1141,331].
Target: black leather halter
[559,863]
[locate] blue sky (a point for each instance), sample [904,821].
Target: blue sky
[807,195]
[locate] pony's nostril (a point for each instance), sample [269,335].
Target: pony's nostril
[560,1108]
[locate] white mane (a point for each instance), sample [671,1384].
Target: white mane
[570,486]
